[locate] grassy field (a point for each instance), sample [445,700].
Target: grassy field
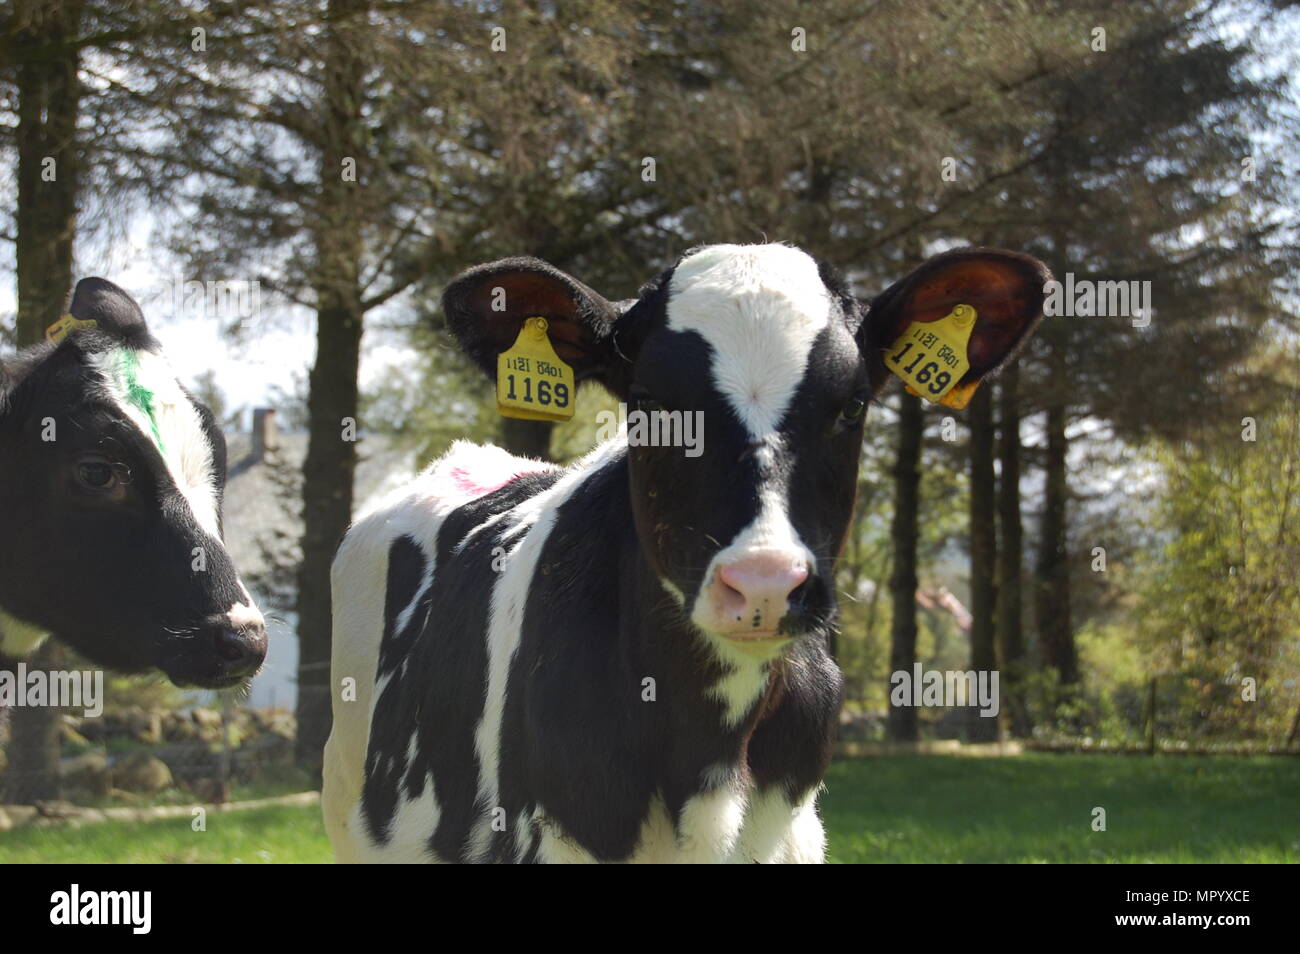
[1039,808]
[276,835]
[1035,808]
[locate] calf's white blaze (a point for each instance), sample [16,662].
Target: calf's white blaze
[244,616]
[745,678]
[143,387]
[761,308]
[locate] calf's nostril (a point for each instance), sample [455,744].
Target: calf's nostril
[245,648]
[762,581]
[229,645]
[730,591]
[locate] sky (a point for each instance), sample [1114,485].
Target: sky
[277,349]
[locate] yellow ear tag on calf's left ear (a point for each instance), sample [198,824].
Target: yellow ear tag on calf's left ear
[930,357]
[66,326]
[533,384]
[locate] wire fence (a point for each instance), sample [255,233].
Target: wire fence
[148,755]
[136,755]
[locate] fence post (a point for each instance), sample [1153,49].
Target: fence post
[222,793]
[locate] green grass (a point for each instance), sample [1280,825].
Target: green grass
[1035,808]
[276,834]
[1038,808]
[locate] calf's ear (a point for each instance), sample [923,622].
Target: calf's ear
[487,305]
[1006,289]
[113,311]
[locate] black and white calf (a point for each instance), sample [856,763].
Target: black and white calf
[625,659]
[111,478]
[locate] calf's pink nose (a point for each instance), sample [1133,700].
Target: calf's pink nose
[756,586]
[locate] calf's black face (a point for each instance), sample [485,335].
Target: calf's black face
[111,479]
[754,344]
[768,353]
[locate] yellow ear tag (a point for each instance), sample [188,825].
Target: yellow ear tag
[533,384]
[930,358]
[66,326]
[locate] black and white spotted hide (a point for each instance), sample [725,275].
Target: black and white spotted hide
[626,659]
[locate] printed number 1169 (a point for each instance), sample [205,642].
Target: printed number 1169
[934,382]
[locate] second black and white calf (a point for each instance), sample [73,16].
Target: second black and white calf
[111,479]
[626,659]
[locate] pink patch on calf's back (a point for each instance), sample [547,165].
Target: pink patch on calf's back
[467,483]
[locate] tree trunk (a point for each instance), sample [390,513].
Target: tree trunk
[903,724]
[1052,599]
[1011,633]
[527,438]
[983,554]
[332,403]
[49,94]
[32,774]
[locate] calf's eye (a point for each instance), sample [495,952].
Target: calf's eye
[852,411]
[642,401]
[99,474]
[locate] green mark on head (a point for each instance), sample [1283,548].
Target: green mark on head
[139,396]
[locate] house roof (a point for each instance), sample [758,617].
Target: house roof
[263,508]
